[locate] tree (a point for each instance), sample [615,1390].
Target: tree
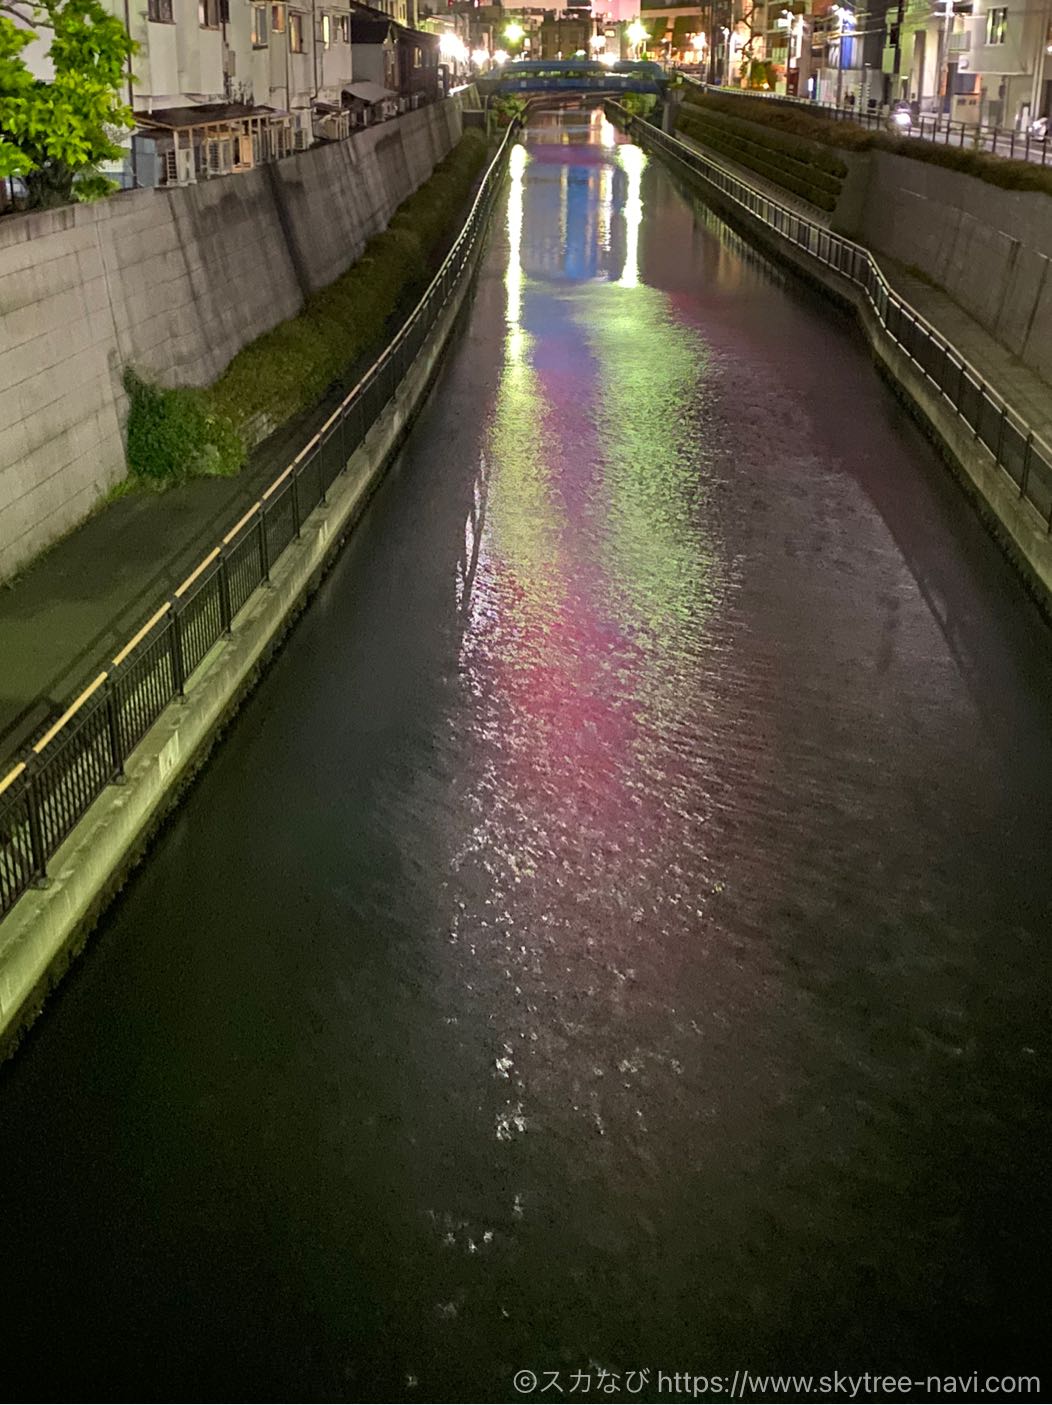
[752,20]
[54,130]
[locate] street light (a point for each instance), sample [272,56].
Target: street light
[514,32]
[636,34]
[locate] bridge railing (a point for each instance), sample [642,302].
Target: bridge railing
[1012,443]
[49,789]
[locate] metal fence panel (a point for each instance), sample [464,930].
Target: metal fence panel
[74,770]
[17,867]
[201,621]
[144,687]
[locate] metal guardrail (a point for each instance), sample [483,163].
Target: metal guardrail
[935,127]
[45,794]
[1013,445]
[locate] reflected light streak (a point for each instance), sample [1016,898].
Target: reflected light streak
[604,213]
[633,160]
[513,278]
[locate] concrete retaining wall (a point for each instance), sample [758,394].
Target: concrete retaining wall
[174,282]
[989,248]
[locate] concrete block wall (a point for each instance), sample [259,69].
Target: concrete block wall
[173,282]
[989,248]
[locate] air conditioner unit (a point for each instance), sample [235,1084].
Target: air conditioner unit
[185,172]
[302,136]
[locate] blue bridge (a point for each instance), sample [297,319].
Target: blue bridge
[575,76]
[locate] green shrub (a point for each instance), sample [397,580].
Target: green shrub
[850,136]
[788,164]
[173,434]
[639,104]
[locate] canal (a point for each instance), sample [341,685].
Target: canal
[615,934]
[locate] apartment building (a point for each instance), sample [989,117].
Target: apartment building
[973,60]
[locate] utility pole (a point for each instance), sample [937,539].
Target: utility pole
[896,71]
[942,81]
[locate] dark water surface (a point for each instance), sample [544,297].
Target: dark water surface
[616,933]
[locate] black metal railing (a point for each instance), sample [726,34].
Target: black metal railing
[1013,445]
[929,126]
[45,793]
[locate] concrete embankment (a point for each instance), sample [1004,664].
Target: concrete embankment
[48,924]
[1011,519]
[174,282]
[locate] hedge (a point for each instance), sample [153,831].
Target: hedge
[174,434]
[794,163]
[810,183]
[850,136]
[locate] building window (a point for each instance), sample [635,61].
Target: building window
[416,58]
[326,32]
[296,31]
[997,25]
[208,14]
[260,27]
[160,11]
[343,28]
[277,18]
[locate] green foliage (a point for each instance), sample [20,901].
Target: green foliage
[93,186]
[175,433]
[639,104]
[51,130]
[791,121]
[803,168]
[509,108]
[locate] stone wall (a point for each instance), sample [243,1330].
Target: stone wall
[173,282]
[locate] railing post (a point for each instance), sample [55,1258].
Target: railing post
[176,651]
[224,593]
[36,834]
[1025,474]
[113,727]
[1001,434]
[295,490]
[264,547]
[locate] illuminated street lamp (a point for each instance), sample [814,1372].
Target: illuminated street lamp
[596,43]
[480,57]
[636,34]
[514,32]
[500,57]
